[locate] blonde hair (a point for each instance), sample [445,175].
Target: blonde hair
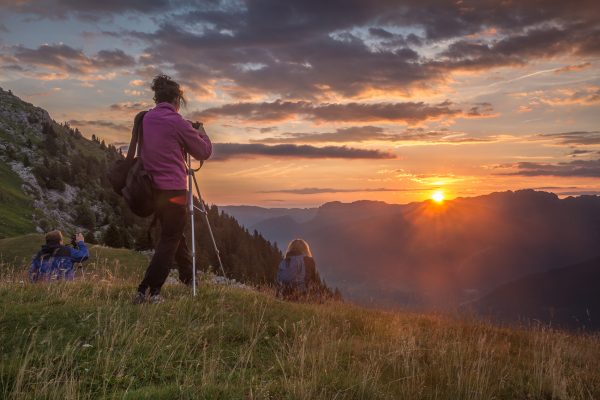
[54,237]
[298,246]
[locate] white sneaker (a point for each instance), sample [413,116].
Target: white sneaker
[156,299]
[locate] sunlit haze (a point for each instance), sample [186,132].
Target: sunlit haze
[438,196]
[309,102]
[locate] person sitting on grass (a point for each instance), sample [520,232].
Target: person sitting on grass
[55,261]
[297,273]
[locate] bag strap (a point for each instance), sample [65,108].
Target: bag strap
[136,136]
[49,256]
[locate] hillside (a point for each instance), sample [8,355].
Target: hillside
[565,297]
[85,340]
[52,177]
[15,215]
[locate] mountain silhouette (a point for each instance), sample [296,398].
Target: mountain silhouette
[430,255]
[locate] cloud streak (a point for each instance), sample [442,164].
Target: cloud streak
[67,59]
[357,134]
[309,191]
[279,110]
[574,138]
[307,50]
[577,168]
[100,124]
[227,151]
[301,50]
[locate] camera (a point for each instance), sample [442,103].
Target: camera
[74,240]
[197,125]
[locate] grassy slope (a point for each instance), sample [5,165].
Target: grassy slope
[15,207]
[16,253]
[85,340]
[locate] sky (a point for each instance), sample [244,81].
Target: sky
[314,101]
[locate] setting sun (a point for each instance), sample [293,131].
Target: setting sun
[438,196]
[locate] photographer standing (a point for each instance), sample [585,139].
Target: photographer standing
[57,261]
[167,138]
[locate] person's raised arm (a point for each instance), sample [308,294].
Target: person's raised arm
[81,253]
[195,141]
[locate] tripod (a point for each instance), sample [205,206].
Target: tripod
[202,209]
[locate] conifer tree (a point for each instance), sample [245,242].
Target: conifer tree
[112,237]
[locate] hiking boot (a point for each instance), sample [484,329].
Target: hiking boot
[156,299]
[139,298]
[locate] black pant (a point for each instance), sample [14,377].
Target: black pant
[171,213]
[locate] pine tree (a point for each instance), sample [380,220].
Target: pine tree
[112,237]
[50,145]
[85,217]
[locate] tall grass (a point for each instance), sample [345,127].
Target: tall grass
[85,340]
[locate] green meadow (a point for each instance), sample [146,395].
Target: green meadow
[85,340]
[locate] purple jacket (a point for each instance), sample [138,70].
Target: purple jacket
[167,136]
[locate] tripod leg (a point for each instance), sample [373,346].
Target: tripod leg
[212,237]
[191,212]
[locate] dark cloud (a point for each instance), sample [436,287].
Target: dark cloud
[305,191]
[113,58]
[293,66]
[225,151]
[409,112]
[302,49]
[577,168]
[381,33]
[574,138]
[578,152]
[481,110]
[59,56]
[67,59]
[265,129]
[309,49]
[86,9]
[352,134]
[13,67]
[520,48]
[366,133]
[101,124]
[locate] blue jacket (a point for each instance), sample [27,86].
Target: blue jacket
[55,261]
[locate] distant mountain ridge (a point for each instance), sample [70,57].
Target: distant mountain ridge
[252,215]
[440,255]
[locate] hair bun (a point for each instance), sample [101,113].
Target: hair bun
[166,90]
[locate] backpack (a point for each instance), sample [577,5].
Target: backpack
[129,178]
[48,266]
[292,272]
